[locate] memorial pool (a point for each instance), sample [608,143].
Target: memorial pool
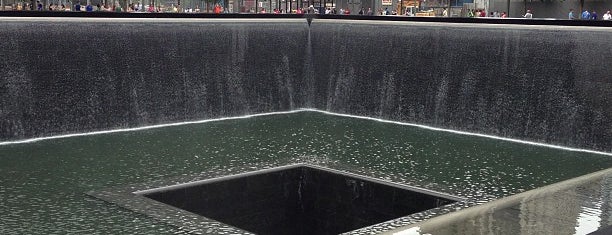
[44,183]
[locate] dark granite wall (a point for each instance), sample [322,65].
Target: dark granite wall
[536,83]
[263,204]
[299,201]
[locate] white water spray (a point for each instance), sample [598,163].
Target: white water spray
[309,110]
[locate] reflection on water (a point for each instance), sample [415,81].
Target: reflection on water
[589,220]
[43,183]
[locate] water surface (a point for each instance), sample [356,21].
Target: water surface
[44,183]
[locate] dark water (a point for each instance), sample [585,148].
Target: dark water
[44,183]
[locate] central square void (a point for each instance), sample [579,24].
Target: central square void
[298,199]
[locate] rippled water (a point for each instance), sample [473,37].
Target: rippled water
[44,183]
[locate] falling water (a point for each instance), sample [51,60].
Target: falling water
[470,110]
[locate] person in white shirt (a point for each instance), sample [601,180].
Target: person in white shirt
[528,14]
[607,16]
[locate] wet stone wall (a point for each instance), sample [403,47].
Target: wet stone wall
[542,83]
[83,75]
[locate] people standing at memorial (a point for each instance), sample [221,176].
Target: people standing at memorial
[528,15]
[570,15]
[607,16]
[130,7]
[594,15]
[585,15]
[311,9]
[77,6]
[119,9]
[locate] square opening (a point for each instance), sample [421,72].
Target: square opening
[298,199]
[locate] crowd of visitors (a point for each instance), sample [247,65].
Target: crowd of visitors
[218,9]
[586,15]
[76,7]
[110,7]
[483,13]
